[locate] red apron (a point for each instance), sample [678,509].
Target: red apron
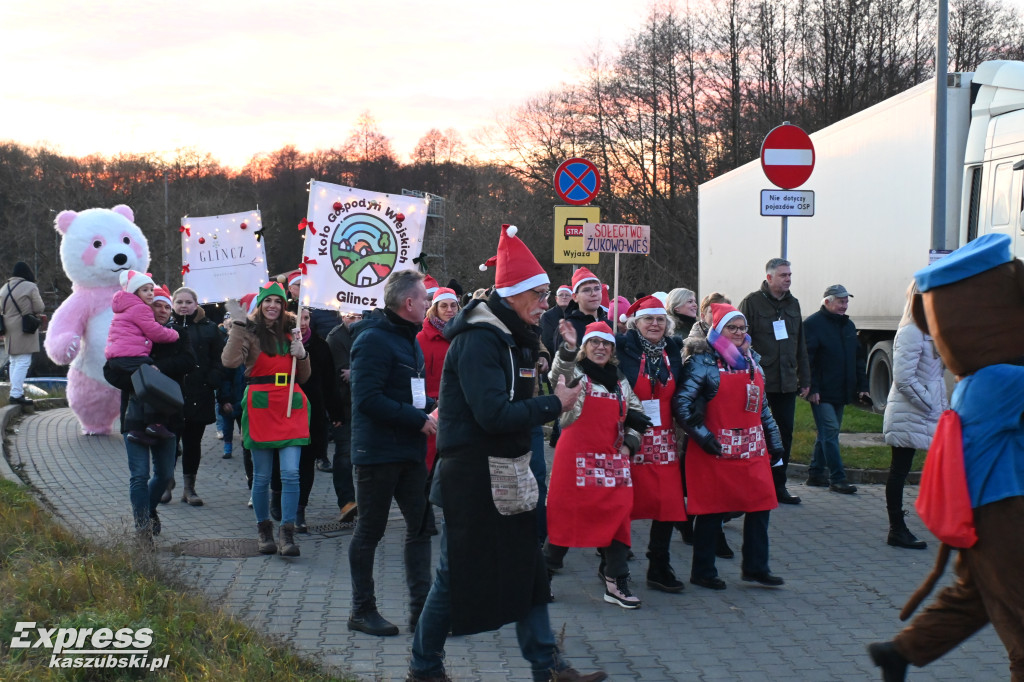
[591,492]
[657,478]
[741,479]
[264,424]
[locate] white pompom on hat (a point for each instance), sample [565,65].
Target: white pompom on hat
[131,280]
[516,268]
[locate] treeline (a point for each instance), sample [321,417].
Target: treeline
[688,96]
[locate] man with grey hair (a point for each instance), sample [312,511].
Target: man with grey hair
[777,334]
[391,419]
[837,379]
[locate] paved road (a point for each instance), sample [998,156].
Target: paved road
[844,586]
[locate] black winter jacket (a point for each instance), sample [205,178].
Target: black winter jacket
[838,361]
[385,358]
[579,321]
[200,385]
[322,386]
[488,402]
[629,352]
[340,343]
[699,385]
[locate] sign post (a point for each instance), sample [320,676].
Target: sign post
[787,158]
[612,238]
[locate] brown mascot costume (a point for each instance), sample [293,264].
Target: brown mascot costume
[972,488]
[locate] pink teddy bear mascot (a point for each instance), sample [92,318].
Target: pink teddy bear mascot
[98,245]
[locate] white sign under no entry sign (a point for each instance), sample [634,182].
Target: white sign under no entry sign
[787,202]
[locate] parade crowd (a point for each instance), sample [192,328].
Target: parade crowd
[674,408]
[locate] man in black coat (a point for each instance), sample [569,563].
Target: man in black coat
[837,378]
[492,572]
[340,343]
[390,423]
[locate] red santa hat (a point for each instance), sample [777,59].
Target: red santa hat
[162,293]
[648,305]
[132,280]
[295,277]
[564,287]
[431,284]
[517,269]
[721,313]
[599,330]
[606,301]
[444,294]
[249,303]
[580,276]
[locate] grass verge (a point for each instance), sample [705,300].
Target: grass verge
[855,420]
[50,576]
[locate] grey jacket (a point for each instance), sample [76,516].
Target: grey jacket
[918,395]
[564,364]
[699,385]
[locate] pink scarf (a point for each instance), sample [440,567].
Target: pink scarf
[727,350]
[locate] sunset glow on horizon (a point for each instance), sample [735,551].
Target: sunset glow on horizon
[234,79]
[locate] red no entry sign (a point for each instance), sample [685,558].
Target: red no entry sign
[577,181]
[787,156]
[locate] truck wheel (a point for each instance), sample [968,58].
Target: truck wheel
[880,373]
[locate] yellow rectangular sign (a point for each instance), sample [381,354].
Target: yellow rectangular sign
[569,221]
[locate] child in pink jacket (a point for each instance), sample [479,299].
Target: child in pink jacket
[133,332]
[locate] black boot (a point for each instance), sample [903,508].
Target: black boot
[899,534]
[660,575]
[167,496]
[686,530]
[300,520]
[892,663]
[275,506]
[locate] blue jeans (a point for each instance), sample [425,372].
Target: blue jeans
[376,486]
[536,641]
[262,469]
[828,418]
[539,467]
[145,495]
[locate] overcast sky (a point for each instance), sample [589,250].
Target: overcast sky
[234,78]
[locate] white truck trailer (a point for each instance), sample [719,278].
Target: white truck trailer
[872,227]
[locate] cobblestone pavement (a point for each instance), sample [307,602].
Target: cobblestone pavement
[844,585]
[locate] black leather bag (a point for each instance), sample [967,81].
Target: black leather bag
[29,323]
[156,389]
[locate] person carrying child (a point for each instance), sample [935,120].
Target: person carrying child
[133,332]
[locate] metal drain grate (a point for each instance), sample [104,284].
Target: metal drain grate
[331,527]
[218,548]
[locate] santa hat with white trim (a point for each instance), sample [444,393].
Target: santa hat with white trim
[431,284]
[295,278]
[721,313]
[516,268]
[648,305]
[599,330]
[564,287]
[162,293]
[582,275]
[132,280]
[445,294]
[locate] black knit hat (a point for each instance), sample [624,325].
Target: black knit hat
[21,269]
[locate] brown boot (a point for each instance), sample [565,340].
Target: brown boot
[166,497]
[265,541]
[286,536]
[189,494]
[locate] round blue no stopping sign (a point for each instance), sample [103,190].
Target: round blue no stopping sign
[577,181]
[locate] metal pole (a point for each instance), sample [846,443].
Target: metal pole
[785,237]
[939,171]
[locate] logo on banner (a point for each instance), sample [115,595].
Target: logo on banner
[364,250]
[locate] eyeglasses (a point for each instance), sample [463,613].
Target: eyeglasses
[736,328]
[540,295]
[601,342]
[596,289]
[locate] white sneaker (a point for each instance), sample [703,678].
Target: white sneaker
[220,435]
[250,502]
[616,591]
